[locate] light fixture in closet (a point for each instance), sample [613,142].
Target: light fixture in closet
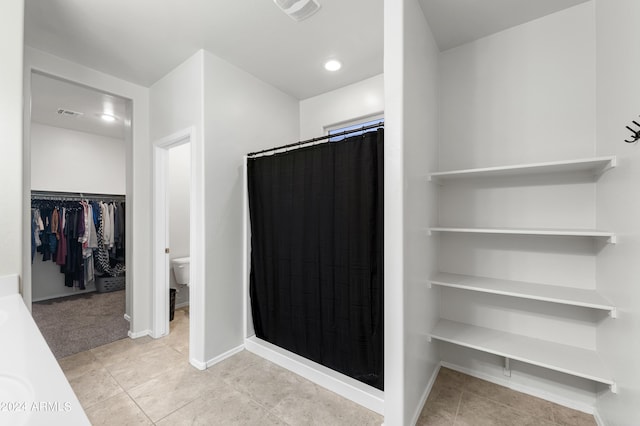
[298,9]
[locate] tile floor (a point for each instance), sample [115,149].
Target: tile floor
[147,382]
[461,400]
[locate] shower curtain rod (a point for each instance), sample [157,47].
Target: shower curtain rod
[74,196]
[319,138]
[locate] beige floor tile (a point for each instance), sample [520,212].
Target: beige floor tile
[125,350]
[173,389]
[148,365]
[441,406]
[119,410]
[310,404]
[94,387]
[265,382]
[224,406]
[531,405]
[79,364]
[567,417]
[478,411]
[451,378]
[234,365]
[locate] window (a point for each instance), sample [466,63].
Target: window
[354,126]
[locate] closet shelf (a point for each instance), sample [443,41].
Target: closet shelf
[594,166]
[611,237]
[554,356]
[526,290]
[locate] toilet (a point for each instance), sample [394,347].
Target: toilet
[180,266]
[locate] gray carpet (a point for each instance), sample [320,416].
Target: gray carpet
[81,322]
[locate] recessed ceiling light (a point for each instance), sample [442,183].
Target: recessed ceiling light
[332,65]
[108,118]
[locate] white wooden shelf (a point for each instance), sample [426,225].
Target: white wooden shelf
[594,166]
[525,290]
[611,237]
[555,356]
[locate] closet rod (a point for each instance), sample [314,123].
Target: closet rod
[320,138]
[74,196]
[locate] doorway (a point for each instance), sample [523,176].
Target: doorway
[76,153]
[175,205]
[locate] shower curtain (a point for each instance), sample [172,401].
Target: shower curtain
[316,281]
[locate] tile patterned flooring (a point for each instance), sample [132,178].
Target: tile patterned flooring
[461,400]
[149,382]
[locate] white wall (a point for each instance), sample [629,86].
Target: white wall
[242,114]
[523,95]
[179,181]
[138,170]
[72,161]
[177,103]
[411,129]
[11,170]
[618,268]
[352,102]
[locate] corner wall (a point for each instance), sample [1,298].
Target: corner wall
[241,114]
[618,201]
[411,130]
[11,170]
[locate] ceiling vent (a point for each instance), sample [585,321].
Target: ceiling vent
[68,113]
[298,9]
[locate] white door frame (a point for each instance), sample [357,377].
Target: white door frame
[161,270]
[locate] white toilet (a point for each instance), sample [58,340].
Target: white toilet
[180,266]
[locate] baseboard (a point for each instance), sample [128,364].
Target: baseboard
[224,356]
[60,295]
[127,317]
[198,364]
[599,420]
[575,405]
[347,387]
[426,393]
[139,334]
[182,305]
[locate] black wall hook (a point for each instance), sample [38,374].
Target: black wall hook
[635,136]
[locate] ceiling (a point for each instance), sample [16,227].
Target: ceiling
[50,94]
[456,22]
[141,41]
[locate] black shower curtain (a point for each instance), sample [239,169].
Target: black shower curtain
[316,281]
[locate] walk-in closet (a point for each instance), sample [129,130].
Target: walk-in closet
[78,211]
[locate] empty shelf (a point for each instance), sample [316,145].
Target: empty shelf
[555,356]
[531,231]
[525,290]
[592,166]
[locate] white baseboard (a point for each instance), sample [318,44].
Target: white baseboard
[599,420]
[566,402]
[425,395]
[139,334]
[198,364]
[182,305]
[127,317]
[347,387]
[222,357]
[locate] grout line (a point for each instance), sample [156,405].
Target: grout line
[455,417]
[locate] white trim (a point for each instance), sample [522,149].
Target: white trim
[599,420]
[566,402]
[245,248]
[182,305]
[204,365]
[127,317]
[222,357]
[345,386]
[425,395]
[139,334]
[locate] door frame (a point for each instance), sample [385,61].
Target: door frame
[160,235]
